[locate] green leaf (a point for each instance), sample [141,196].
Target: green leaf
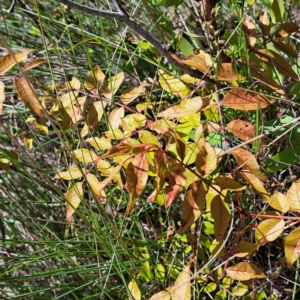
[168,3]
[277,11]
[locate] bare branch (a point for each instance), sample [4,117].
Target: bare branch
[123,18]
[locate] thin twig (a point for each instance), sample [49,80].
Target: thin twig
[131,23]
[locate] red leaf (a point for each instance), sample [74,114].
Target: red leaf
[176,178]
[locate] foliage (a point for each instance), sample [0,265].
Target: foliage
[169,144]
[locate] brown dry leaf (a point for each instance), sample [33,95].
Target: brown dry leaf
[160,162]
[95,113]
[73,198]
[268,231]
[247,161]
[244,271]
[226,72]
[220,212]
[172,84]
[276,61]
[182,286]
[94,80]
[34,63]
[265,24]
[28,95]
[243,130]
[85,155]
[262,75]
[193,204]
[292,247]
[286,29]
[241,99]
[136,178]
[176,178]
[206,159]
[293,196]
[227,183]
[10,60]
[187,107]
[2,96]
[130,95]
[249,29]
[285,47]
[201,62]
[112,85]
[71,174]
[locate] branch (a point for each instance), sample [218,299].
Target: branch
[123,18]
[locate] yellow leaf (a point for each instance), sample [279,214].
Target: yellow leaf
[268,231]
[214,248]
[135,293]
[99,143]
[128,96]
[244,249]
[172,84]
[182,286]
[293,196]
[73,198]
[41,125]
[114,134]
[146,137]
[73,84]
[292,247]
[206,159]
[28,95]
[162,295]
[115,116]
[279,201]
[71,174]
[85,155]
[10,60]
[94,80]
[28,140]
[255,182]
[95,186]
[187,107]
[112,85]
[2,96]
[136,178]
[244,271]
